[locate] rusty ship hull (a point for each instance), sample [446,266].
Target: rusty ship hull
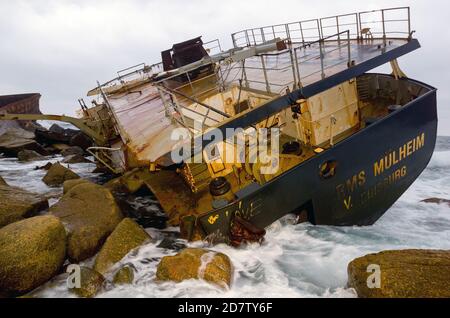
[374,168]
[352,141]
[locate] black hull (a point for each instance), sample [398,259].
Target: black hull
[374,168]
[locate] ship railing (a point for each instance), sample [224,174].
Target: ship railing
[187,110]
[384,23]
[140,71]
[279,72]
[338,44]
[387,23]
[213,47]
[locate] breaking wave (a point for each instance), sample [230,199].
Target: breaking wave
[295,260]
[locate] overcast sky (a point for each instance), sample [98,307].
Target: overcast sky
[60,48]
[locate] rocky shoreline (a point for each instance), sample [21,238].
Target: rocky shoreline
[94,227]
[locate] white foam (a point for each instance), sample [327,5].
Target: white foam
[301,260]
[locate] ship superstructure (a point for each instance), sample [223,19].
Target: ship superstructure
[343,144]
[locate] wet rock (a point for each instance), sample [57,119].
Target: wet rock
[52,151]
[91,283]
[124,276]
[49,137]
[57,174]
[29,155]
[60,147]
[127,236]
[15,140]
[2,182]
[130,182]
[171,243]
[55,128]
[81,140]
[55,135]
[404,274]
[47,166]
[437,201]
[73,159]
[17,204]
[102,170]
[69,184]
[70,151]
[143,208]
[90,214]
[31,252]
[196,264]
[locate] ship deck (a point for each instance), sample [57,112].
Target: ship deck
[313,63]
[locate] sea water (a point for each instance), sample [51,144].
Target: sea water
[295,260]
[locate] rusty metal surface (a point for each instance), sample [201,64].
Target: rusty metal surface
[144,126]
[18,104]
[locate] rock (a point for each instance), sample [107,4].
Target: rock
[404,274]
[124,276]
[14,141]
[55,128]
[73,159]
[31,252]
[2,182]
[171,243]
[72,151]
[194,263]
[47,166]
[50,137]
[141,209]
[17,204]
[437,201]
[90,214]
[81,140]
[20,133]
[60,147]
[29,155]
[52,151]
[130,182]
[127,236]
[69,184]
[91,283]
[57,174]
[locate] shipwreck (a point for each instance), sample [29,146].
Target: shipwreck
[342,144]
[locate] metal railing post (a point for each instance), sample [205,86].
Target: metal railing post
[298,68]
[244,73]
[263,37]
[288,33]
[254,39]
[247,38]
[349,49]
[273,31]
[322,55]
[338,31]
[357,26]
[263,63]
[301,31]
[409,21]
[293,67]
[319,28]
[360,25]
[384,26]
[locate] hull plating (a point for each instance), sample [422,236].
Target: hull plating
[374,168]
